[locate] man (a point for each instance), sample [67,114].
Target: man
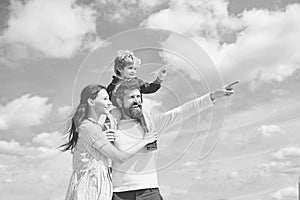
[137,177]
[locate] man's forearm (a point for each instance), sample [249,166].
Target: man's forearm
[183,112]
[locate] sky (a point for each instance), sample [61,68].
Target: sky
[243,148]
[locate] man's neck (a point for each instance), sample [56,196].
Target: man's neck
[124,116]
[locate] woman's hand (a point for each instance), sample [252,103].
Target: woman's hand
[227,90]
[110,134]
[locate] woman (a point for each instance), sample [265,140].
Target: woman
[91,178]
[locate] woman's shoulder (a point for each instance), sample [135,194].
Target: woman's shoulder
[87,125]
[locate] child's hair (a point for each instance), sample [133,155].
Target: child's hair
[125,58]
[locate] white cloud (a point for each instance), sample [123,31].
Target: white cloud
[288,152]
[169,191]
[29,153]
[3,166]
[266,169]
[45,177]
[207,19]
[64,112]
[176,61]
[149,5]
[12,147]
[3,124]
[288,193]
[51,28]
[280,92]
[266,46]
[24,111]
[120,10]
[203,21]
[53,139]
[41,153]
[269,130]
[150,105]
[189,164]
[234,174]
[8,180]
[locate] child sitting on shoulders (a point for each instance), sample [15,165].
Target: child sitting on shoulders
[125,66]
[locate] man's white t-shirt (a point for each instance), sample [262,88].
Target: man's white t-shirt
[140,171]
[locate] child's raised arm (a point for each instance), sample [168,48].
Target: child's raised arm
[148,88]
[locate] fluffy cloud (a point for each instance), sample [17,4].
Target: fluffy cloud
[288,152]
[64,112]
[286,193]
[12,147]
[29,153]
[53,139]
[269,130]
[203,21]
[51,28]
[254,45]
[149,5]
[24,111]
[120,10]
[151,105]
[208,19]
[267,48]
[281,92]
[176,61]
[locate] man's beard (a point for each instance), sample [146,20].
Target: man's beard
[134,111]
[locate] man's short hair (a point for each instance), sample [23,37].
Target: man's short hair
[129,84]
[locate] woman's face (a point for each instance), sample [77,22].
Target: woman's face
[102,104]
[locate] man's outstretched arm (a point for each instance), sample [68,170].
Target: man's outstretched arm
[165,120]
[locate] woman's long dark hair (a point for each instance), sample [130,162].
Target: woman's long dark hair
[89,92]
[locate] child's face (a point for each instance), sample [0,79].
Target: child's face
[128,71]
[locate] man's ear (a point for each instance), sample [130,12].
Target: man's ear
[90,101]
[119,102]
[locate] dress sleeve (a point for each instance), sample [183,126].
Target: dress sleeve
[93,135]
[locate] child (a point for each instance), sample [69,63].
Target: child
[126,64]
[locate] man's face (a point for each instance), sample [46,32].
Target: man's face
[132,103]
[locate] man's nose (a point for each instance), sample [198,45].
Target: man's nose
[137,100]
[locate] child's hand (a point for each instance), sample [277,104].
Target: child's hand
[162,74]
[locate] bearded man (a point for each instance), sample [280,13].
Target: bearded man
[137,178]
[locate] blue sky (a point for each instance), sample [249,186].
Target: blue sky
[50,49]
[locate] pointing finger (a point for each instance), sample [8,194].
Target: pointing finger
[230,85]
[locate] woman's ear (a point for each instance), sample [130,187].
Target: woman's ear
[90,101]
